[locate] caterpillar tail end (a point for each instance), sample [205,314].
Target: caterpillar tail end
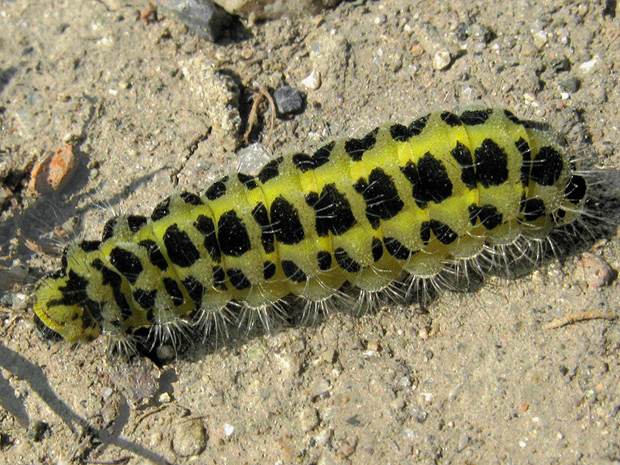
[58,316]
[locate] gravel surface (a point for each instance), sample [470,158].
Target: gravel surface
[149,108]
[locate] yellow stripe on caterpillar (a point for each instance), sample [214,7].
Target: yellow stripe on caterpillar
[359,211]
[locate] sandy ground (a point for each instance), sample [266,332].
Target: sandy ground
[151,109]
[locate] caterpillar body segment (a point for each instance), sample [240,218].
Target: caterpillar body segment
[359,211]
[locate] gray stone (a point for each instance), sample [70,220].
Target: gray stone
[288,100]
[202,17]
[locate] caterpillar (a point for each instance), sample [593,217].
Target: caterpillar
[363,212]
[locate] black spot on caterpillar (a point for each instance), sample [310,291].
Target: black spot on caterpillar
[360,212]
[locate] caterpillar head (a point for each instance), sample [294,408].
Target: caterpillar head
[571,203]
[61,306]
[556,194]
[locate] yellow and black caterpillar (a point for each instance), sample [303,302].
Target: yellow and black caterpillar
[401,199]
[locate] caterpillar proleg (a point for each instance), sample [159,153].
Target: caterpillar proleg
[401,199]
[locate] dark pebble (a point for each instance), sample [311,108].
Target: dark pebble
[202,17]
[461,32]
[570,84]
[481,33]
[561,64]
[288,100]
[38,430]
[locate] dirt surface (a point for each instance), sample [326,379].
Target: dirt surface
[150,109]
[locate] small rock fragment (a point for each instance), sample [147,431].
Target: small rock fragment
[288,100]
[272,9]
[348,448]
[398,403]
[54,172]
[202,17]
[529,50]
[20,301]
[570,84]
[308,419]
[149,15]
[481,33]
[442,60]
[327,458]
[561,64]
[313,81]
[190,439]
[416,50]
[286,452]
[219,93]
[539,39]
[38,430]
[463,442]
[598,273]
[138,381]
[589,65]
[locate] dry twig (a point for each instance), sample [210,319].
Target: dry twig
[577,317]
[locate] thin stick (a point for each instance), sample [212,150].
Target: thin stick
[577,317]
[263,92]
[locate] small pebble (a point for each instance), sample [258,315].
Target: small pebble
[38,430]
[598,273]
[529,50]
[156,438]
[398,403]
[106,392]
[54,172]
[324,437]
[313,81]
[481,33]
[380,19]
[247,53]
[288,100]
[202,17]
[373,346]
[327,459]
[463,442]
[416,50]
[589,65]
[561,64]
[442,60]
[258,10]
[539,39]
[461,31]
[308,419]
[190,439]
[20,301]
[138,382]
[252,158]
[570,84]
[346,450]
[286,452]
